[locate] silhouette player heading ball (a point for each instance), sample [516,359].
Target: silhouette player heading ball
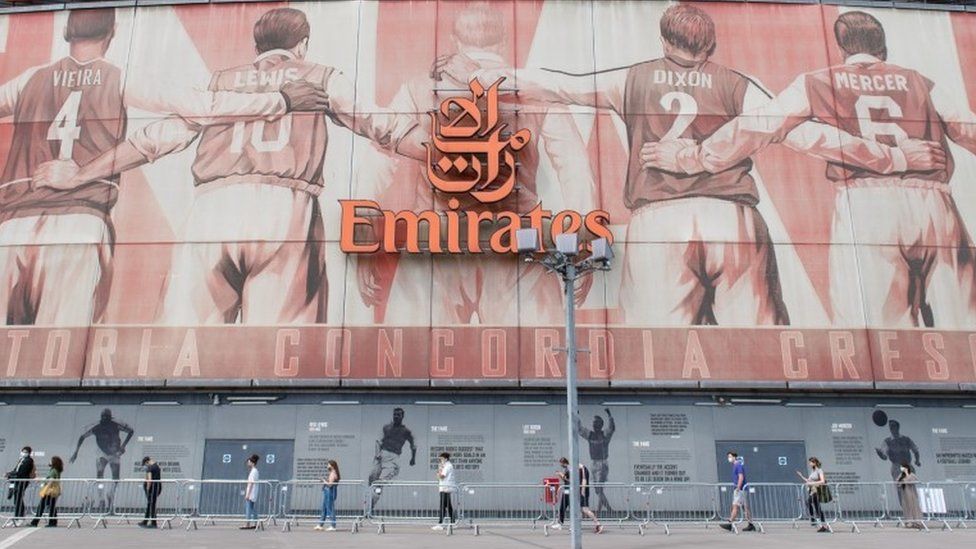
[897,448]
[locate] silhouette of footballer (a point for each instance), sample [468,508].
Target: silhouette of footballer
[108,438]
[898,449]
[386,464]
[599,440]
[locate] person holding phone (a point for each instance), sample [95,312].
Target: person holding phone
[330,489]
[815,482]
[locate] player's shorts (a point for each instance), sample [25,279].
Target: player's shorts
[913,262]
[253,254]
[739,498]
[387,466]
[601,470]
[55,270]
[700,260]
[111,459]
[474,289]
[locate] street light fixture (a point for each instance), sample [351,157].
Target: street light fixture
[567,262]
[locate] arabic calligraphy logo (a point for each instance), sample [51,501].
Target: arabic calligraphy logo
[473,157]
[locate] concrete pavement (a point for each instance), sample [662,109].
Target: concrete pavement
[410,537]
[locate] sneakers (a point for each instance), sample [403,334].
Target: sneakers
[557,526]
[318,528]
[727,527]
[330,529]
[246,527]
[750,528]
[823,529]
[437,527]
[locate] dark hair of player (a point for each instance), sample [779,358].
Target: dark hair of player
[280,29]
[859,32]
[479,25]
[689,28]
[90,25]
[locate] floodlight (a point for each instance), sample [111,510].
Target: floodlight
[527,241]
[567,244]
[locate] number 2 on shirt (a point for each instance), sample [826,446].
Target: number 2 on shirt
[64,127]
[687,111]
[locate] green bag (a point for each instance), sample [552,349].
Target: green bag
[824,495]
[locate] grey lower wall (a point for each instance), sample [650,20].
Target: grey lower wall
[674,440]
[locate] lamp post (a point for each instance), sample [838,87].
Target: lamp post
[565,262]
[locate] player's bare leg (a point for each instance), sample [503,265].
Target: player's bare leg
[100,464]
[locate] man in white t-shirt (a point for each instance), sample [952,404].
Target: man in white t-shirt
[446,485]
[251,494]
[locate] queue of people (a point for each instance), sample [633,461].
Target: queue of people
[815,481]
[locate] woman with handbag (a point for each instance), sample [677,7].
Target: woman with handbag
[817,492]
[50,492]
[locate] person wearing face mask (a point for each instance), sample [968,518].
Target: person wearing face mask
[446,486]
[20,477]
[907,482]
[816,484]
[50,492]
[739,499]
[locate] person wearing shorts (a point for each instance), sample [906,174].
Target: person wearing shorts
[584,482]
[739,498]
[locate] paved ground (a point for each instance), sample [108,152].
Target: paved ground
[220,537]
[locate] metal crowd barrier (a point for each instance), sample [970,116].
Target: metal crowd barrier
[767,503]
[72,505]
[677,503]
[947,504]
[500,505]
[129,501]
[862,503]
[301,501]
[944,503]
[618,503]
[222,501]
[407,503]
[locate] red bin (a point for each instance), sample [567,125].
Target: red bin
[551,485]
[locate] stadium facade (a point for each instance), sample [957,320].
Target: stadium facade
[197,263]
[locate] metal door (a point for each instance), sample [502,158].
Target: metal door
[766,462]
[226,460]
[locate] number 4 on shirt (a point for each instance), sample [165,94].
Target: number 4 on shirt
[64,127]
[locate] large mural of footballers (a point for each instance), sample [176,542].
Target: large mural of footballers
[170,198]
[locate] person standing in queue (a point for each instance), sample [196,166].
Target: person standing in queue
[152,487]
[446,485]
[816,484]
[251,494]
[330,489]
[19,477]
[50,492]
